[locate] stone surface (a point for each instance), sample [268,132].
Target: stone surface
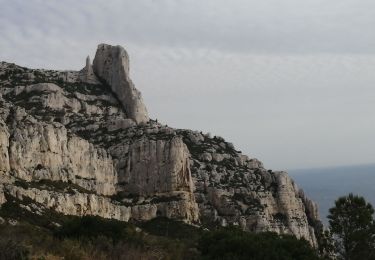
[71,143]
[39,151]
[111,63]
[2,196]
[81,204]
[87,74]
[154,166]
[4,144]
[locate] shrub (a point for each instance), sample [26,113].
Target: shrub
[90,227]
[231,243]
[163,226]
[12,250]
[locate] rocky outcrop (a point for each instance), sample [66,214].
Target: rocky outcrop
[2,196]
[111,63]
[150,166]
[87,74]
[40,151]
[81,143]
[4,144]
[233,189]
[71,202]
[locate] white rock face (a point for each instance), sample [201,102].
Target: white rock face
[4,144]
[2,196]
[233,189]
[87,73]
[154,166]
[39,151]
[291,207]
[82,204]
[111,63]
[50,95]
[283,212]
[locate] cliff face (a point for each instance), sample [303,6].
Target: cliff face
[81,143]
[111,64]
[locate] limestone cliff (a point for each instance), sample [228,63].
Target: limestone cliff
[81,142]
[111,63]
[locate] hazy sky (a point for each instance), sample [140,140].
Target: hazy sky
[289,82]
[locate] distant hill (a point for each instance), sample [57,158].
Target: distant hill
[325,185]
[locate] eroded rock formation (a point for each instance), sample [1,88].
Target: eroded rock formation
[81,143]
[111,64]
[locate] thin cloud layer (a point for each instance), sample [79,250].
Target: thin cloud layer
[290,26]
[290,82]
[290,111]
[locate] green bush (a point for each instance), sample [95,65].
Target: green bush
[90,227]
[12,250]
[231,243]
[163,226]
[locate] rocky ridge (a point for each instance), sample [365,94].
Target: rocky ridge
[81,143]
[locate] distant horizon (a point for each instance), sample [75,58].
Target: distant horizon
[325,185]
[332,167]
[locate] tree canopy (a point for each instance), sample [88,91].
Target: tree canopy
[353,228]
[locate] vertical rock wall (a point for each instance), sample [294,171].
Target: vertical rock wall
[111,63]
[155,166]
[4,145]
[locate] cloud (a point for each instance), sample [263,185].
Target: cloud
[289,26]
[290,82]
[288,110]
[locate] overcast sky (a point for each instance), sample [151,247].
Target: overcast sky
[289,82]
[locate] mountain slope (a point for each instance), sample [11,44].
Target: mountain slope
[81,143]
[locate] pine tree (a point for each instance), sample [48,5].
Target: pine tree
[352,225]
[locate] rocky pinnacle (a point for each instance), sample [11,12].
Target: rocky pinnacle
[111,64]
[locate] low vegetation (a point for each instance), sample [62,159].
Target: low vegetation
[30,231]
[92,237]
[228,244]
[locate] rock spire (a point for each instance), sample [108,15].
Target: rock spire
[111,64]
[87,73]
